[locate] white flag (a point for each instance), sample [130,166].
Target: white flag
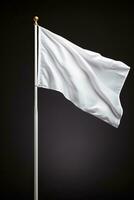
[89,80]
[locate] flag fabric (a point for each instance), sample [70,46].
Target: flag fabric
[89,80]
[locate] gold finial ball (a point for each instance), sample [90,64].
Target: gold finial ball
[36,18]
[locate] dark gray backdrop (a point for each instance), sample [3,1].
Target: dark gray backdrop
[80,157]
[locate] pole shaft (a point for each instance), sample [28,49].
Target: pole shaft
[35,117]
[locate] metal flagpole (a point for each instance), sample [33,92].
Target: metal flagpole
[35,111]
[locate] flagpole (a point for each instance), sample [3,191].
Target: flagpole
[35,111]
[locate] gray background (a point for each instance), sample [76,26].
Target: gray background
[80,156]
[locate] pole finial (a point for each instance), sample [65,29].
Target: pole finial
[36,18]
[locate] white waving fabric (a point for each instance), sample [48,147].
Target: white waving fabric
[90,81]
